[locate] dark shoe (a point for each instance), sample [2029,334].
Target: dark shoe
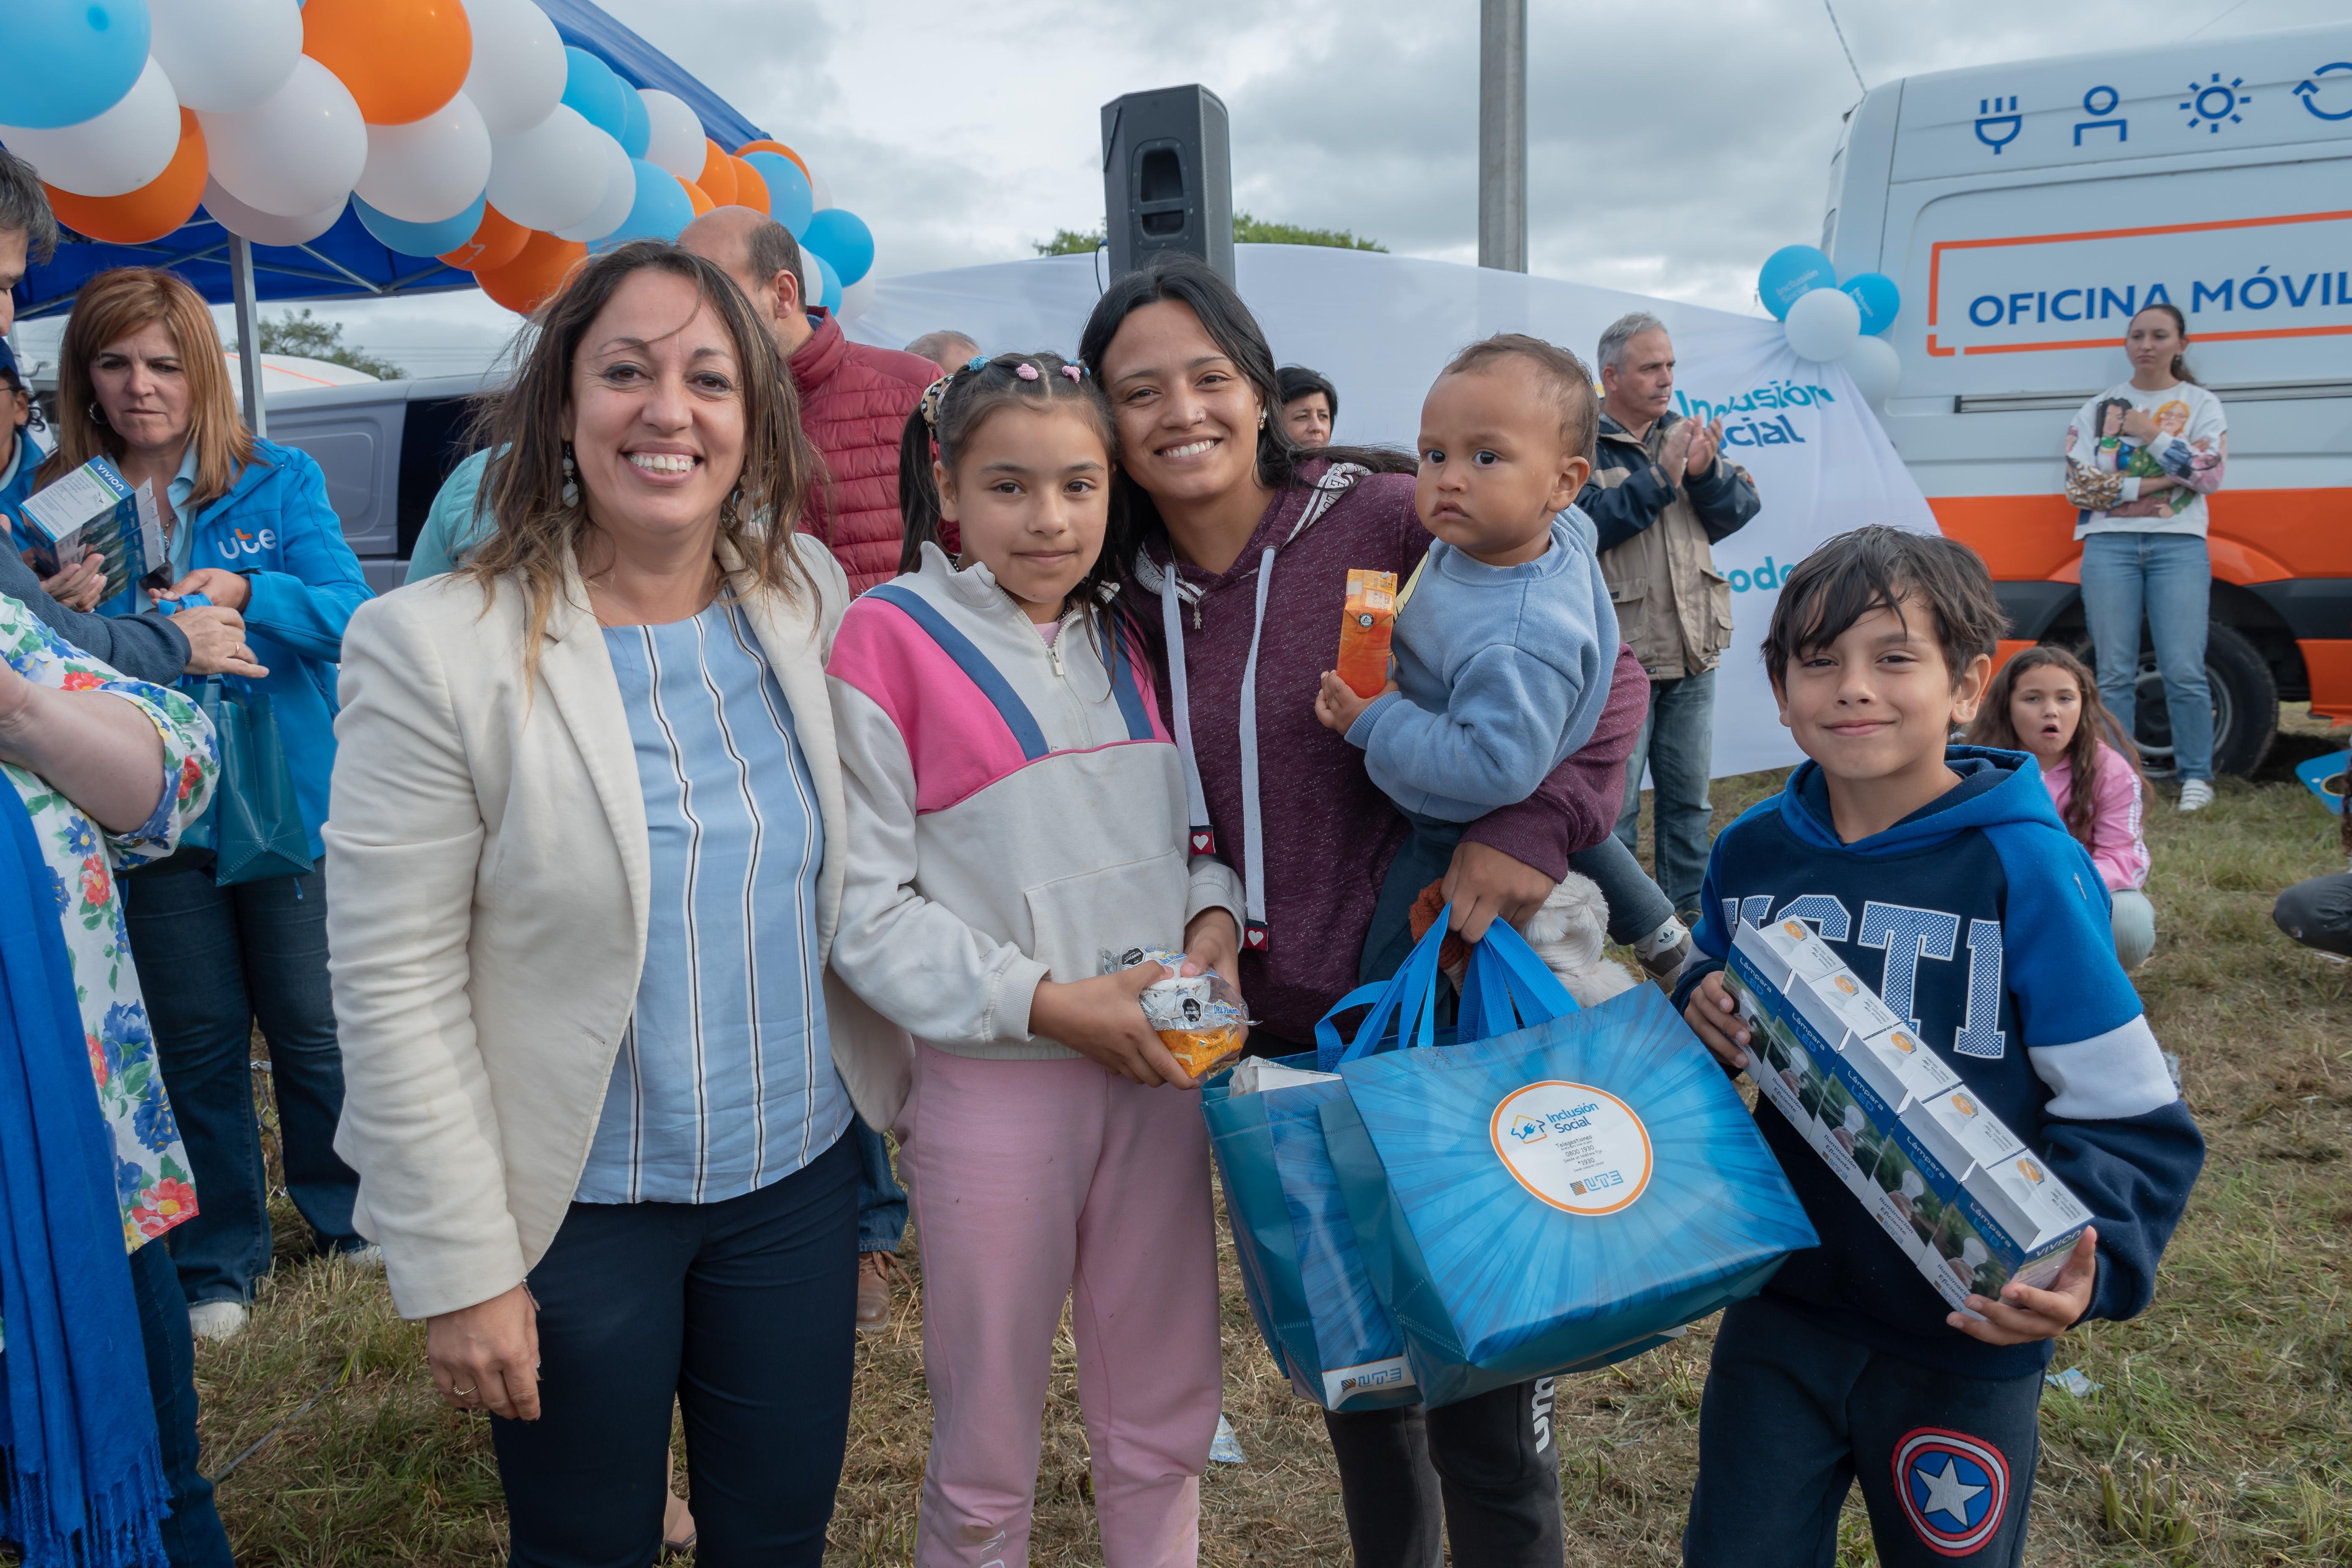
[874,1271]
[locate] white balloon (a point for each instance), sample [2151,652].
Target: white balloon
[224,55]
[553,175]
[109,153]
[857,299]
[297,151]
[676,143]
[1874,366]
[517,77]
[429,169]
[1822,324]
[823,192]
[265,229]
[620,194]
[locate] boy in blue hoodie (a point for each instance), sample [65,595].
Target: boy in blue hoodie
[1944,877]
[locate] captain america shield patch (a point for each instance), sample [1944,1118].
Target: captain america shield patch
[1955,1489]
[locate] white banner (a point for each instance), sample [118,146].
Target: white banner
[1381,327]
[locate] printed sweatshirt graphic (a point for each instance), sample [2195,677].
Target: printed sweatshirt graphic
[1981,921]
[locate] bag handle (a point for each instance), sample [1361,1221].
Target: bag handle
[1507,961]
[1409,997]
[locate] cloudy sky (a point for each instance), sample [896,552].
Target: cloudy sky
[1671,148]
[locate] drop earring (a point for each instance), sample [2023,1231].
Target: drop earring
[571,478]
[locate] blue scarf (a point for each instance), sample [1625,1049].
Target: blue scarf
[81,1473]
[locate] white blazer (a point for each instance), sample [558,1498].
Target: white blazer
[488,870]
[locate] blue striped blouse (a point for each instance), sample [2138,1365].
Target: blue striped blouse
[725,1079]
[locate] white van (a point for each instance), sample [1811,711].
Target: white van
[2027,211]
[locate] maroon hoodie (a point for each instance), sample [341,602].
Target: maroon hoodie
[1328,832]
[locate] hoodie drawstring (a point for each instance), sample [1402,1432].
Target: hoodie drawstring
[1257,936]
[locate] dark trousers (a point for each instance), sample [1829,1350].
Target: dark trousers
[2319,913]
[1487,1469]
[193,1536]
[213,961]
[745,1312]
[881,1201]
[1794,1414]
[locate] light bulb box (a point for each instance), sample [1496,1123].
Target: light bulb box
[1946,1180]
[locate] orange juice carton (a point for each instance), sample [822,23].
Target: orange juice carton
[1364,634]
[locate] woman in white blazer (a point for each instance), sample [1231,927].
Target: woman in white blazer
[587,867]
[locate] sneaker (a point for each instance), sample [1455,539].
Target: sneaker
[2196,795]
[874,1271]
[368,1259]
[217,1319]
[1664,952]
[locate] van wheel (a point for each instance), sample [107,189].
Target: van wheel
[2245,704]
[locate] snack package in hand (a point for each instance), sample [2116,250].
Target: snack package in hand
[1199,1018]
[1364,634]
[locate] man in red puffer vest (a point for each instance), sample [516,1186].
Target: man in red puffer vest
[854,399]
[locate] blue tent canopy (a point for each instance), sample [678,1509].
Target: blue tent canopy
[348,262]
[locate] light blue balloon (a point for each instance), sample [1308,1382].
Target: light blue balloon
[661,209]
[637,125]
[420,238]
[1878,299]
[70,59]
[832,298]
[791,202]
[840,236]
[1790,271]
[590,87]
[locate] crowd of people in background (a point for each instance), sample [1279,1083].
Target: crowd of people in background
[776,742]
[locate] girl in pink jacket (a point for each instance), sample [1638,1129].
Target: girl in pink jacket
[2046,703]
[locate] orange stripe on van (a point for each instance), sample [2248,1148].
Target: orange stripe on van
[2256,536]
[2109,341]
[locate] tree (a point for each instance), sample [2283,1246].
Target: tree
[1248,230]
[304,335]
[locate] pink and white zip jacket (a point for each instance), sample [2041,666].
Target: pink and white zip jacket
[2118,847]
[1015,809]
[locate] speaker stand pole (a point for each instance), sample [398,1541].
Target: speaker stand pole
[248,333]
[1503,134]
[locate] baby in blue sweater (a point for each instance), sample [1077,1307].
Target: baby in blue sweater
[1505,637]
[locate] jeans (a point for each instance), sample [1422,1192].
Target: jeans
[193,1536]
[212,961]
[2134,924]
[1423,858]
[881,1201]
[743,1312]
[1677,740]
[2169,577]
[1795,1414]
[1484,1472]
[1637,906]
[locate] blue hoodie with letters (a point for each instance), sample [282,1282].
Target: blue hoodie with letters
[1981,920]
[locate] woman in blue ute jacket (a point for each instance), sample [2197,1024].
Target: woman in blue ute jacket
[247,524]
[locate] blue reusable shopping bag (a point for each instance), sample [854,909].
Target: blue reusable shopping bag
[1307,1287]
[1556,1197]
[254,826]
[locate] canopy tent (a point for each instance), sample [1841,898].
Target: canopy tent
[348,262]
[1381,327]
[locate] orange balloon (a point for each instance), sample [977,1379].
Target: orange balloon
[496,240]
[750,190]
[403,60]
[764,145]
[717,177]
[152,211]
[534,277]
[702,204]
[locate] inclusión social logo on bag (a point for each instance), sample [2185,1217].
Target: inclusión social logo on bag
[1579,1149]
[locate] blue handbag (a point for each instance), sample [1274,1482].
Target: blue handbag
[254,826]
[1307,1287]
[1557,1196]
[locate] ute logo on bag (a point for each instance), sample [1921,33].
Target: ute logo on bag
[1580,1150]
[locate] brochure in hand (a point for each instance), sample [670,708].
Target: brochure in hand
[1947,1181]
[94,507]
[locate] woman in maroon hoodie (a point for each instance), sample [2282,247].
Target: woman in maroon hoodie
[1238,546]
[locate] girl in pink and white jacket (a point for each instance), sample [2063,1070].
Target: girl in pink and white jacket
[1017,815]
[2045,701]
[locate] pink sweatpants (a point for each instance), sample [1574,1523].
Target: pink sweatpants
[1032,1182]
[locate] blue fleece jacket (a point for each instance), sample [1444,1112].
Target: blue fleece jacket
[1501,672]
[276,527]
[1983,921]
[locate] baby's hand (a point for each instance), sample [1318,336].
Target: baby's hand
[1338,705]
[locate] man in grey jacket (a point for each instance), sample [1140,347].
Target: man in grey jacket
[1660,498]
[153,646]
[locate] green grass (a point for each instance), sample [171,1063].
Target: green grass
[2221,1434]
